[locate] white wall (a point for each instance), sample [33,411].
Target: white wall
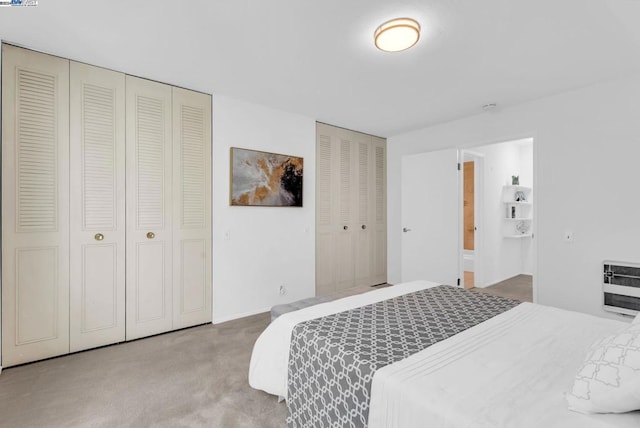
[587,145]
[268,246]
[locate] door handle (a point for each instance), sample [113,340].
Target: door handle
[406,229]
[345,227]
[364,226]
[98,237]
[151,235]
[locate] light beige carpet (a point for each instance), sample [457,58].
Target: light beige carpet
[189,378]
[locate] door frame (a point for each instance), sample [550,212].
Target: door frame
[478,213]
[536,206]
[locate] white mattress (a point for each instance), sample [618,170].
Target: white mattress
[510,371]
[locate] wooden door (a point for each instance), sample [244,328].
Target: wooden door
[469,205]
[191,208]
[97,246]
[35,206]
[149,208]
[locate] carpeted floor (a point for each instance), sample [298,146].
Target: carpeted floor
[519,288]
[189,378]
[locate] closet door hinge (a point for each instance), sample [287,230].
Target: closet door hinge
[458,281]
[459,168]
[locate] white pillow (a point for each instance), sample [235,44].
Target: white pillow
[609,379]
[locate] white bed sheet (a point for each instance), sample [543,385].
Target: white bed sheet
[509,371]
[270,357]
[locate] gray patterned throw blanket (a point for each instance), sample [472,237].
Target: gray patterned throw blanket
[332,359]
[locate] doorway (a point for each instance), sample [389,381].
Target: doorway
[434,245]
[497,214]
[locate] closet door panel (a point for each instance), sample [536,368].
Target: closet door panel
[151,284]
[347,208]
[325,271]
[35,206]
[363,230]
[97,304]
[326,218]
[149,208]
[379,210]
[36,302]
[192,208]
[100,304]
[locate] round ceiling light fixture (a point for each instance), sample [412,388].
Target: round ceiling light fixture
[397,35]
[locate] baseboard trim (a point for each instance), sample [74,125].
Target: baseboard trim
[218,320]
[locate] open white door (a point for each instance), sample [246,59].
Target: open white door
[431,217]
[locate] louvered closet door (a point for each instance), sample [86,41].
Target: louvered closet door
[192,208]
[326,201]
[35,206]
[97,114]
[363,224]
[344,249]
[378,210]
[336,207]
[149,208]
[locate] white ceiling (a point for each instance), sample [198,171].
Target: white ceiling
[317,58]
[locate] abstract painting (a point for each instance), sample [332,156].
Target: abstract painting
[265,179]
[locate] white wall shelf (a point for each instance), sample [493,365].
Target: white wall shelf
[517,213]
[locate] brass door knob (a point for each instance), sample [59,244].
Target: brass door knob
[98,237]
[364,226]
[151,235]
[346,227]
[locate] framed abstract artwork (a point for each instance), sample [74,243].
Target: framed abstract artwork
[265,179]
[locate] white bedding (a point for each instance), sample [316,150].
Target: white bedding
[270,357]
[509,371]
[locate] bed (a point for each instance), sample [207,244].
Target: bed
[498,364]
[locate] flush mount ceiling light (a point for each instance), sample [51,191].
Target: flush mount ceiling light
[397,35]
